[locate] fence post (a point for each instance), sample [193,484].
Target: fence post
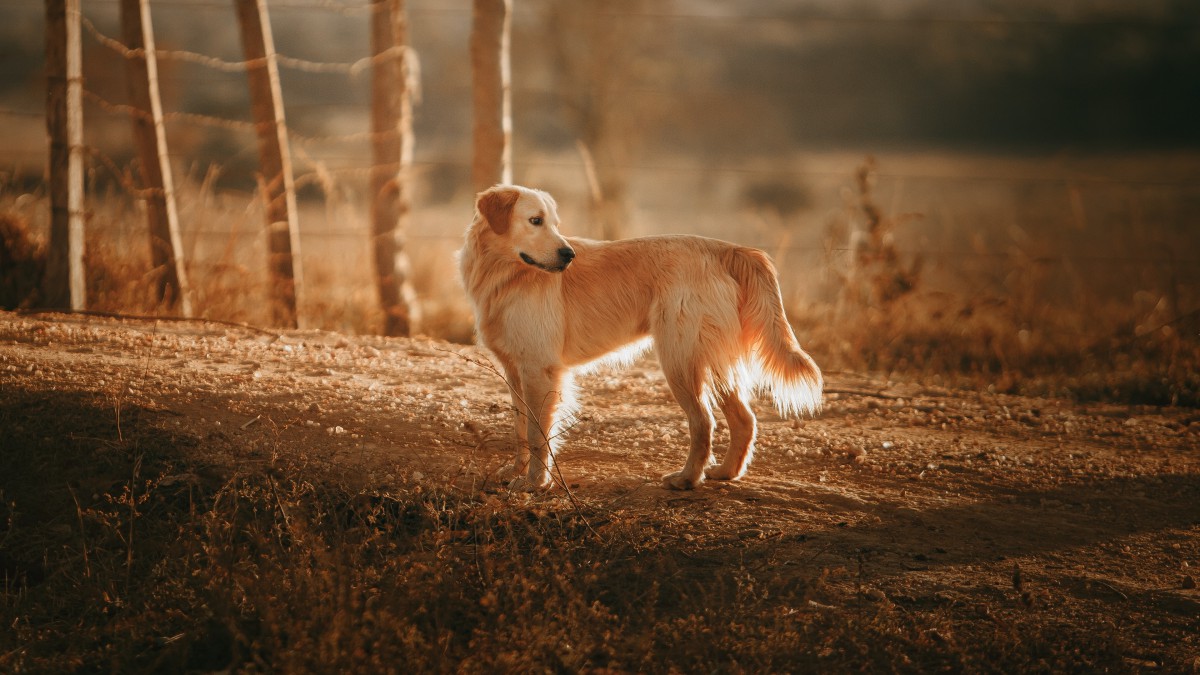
[166,247]
[393,88]
[283,235]
[490,27]
[64,285]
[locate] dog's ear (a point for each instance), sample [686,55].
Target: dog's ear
[495,205]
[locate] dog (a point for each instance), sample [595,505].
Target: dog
[547,305]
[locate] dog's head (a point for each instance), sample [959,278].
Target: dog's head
[527,221]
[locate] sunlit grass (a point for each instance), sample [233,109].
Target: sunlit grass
[1042,291]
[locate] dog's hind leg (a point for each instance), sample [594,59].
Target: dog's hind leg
[689,392]
[743,428]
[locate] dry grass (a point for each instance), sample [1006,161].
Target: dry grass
[118,554]
[1022,322]
[121,556]
[1022,336]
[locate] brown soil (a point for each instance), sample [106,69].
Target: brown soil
[995,509]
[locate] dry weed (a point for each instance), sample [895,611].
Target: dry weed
[142,561]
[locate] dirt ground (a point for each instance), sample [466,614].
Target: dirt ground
[995,508]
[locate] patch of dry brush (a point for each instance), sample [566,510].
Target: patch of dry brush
[120,556]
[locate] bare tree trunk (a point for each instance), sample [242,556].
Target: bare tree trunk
[393,88]
[64,284]
[490,28]
[166,247]
[283,233]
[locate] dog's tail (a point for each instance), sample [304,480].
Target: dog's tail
[788,373]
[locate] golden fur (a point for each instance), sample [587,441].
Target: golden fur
[546,305]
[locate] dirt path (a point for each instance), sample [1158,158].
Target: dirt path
[996,508]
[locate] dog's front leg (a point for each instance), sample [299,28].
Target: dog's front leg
[542,392]
[520,463]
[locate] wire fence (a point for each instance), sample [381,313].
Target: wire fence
[336,164]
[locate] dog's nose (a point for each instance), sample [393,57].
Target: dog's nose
[566,253]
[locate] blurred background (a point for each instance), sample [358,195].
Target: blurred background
[1001,193]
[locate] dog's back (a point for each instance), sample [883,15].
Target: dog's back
[713,308]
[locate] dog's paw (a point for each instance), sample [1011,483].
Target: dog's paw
[677,481]
[526,484]
[719,472]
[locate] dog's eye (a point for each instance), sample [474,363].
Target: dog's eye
[536,220]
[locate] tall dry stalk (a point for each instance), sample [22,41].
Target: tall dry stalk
[878,275]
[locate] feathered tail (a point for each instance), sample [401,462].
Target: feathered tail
[788,374]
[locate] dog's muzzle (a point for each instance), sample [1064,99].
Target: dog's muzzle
[565,255]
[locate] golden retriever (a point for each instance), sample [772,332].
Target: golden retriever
[546,305]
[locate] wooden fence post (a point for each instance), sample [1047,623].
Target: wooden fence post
[64,285]
[492,131]
[392,92]
[166,247]
[283,234]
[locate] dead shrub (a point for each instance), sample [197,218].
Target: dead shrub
[22,263]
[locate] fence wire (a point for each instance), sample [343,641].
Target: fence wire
[358,168]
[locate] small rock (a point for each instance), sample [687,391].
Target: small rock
[1189,582]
